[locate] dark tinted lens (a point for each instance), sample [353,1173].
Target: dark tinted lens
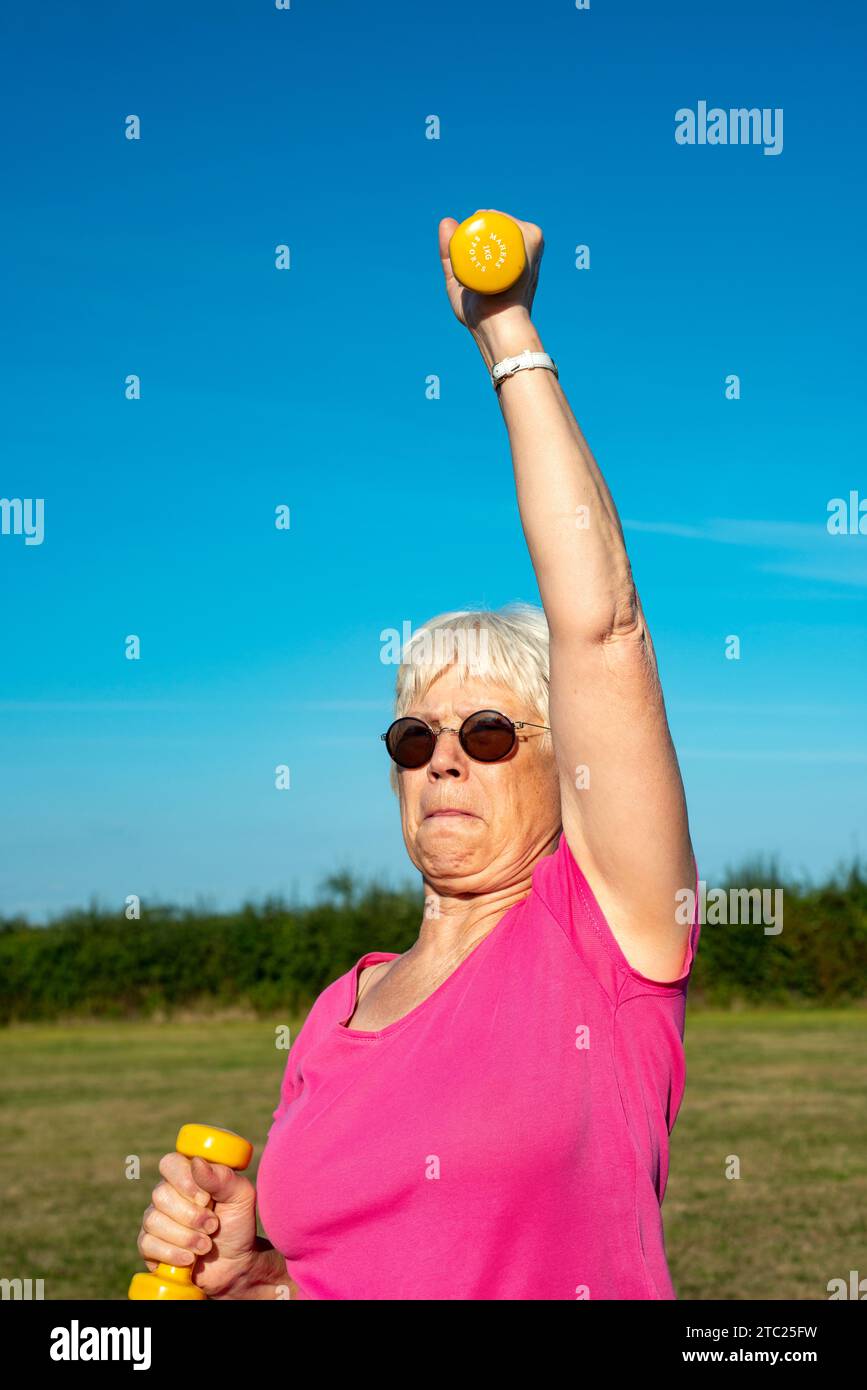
[487,736]
[410,743]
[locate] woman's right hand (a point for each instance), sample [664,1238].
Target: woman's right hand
[475,311]
[179,1228]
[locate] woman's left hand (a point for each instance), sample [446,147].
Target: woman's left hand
[481,313]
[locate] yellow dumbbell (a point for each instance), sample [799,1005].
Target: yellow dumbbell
[194,1141]
[487,252]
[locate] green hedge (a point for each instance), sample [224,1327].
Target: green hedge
[272,956]
[819,957]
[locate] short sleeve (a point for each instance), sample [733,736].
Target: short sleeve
[560,884]
[322,1015]
[289,1086]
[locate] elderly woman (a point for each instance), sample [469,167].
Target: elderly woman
[487,1116]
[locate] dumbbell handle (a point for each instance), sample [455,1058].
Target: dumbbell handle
[217,1146]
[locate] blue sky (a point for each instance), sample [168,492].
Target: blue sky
[307,387]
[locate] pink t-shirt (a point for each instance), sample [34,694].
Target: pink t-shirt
[506,1139]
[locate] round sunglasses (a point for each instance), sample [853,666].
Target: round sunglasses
[485,736]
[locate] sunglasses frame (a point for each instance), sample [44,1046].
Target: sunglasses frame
[516,724]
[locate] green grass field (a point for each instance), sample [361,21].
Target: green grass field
[783,1091]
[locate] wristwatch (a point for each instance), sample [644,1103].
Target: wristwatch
[527,359]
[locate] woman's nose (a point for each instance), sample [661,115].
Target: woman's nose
[449,759]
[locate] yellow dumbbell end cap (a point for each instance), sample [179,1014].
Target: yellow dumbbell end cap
[166,1282]
[217,1145]
[487,252]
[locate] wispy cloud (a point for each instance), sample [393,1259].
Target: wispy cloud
[775,710]
[774,755]
[667,528]
[813,553]
[846,568]
[94,706]
[176,707]
[788,535]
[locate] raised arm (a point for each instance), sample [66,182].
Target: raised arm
[625,820]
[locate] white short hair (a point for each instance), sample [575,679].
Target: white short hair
[508,646]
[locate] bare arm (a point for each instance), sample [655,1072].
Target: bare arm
[628,827]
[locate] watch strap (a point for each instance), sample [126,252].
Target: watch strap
[523,362]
